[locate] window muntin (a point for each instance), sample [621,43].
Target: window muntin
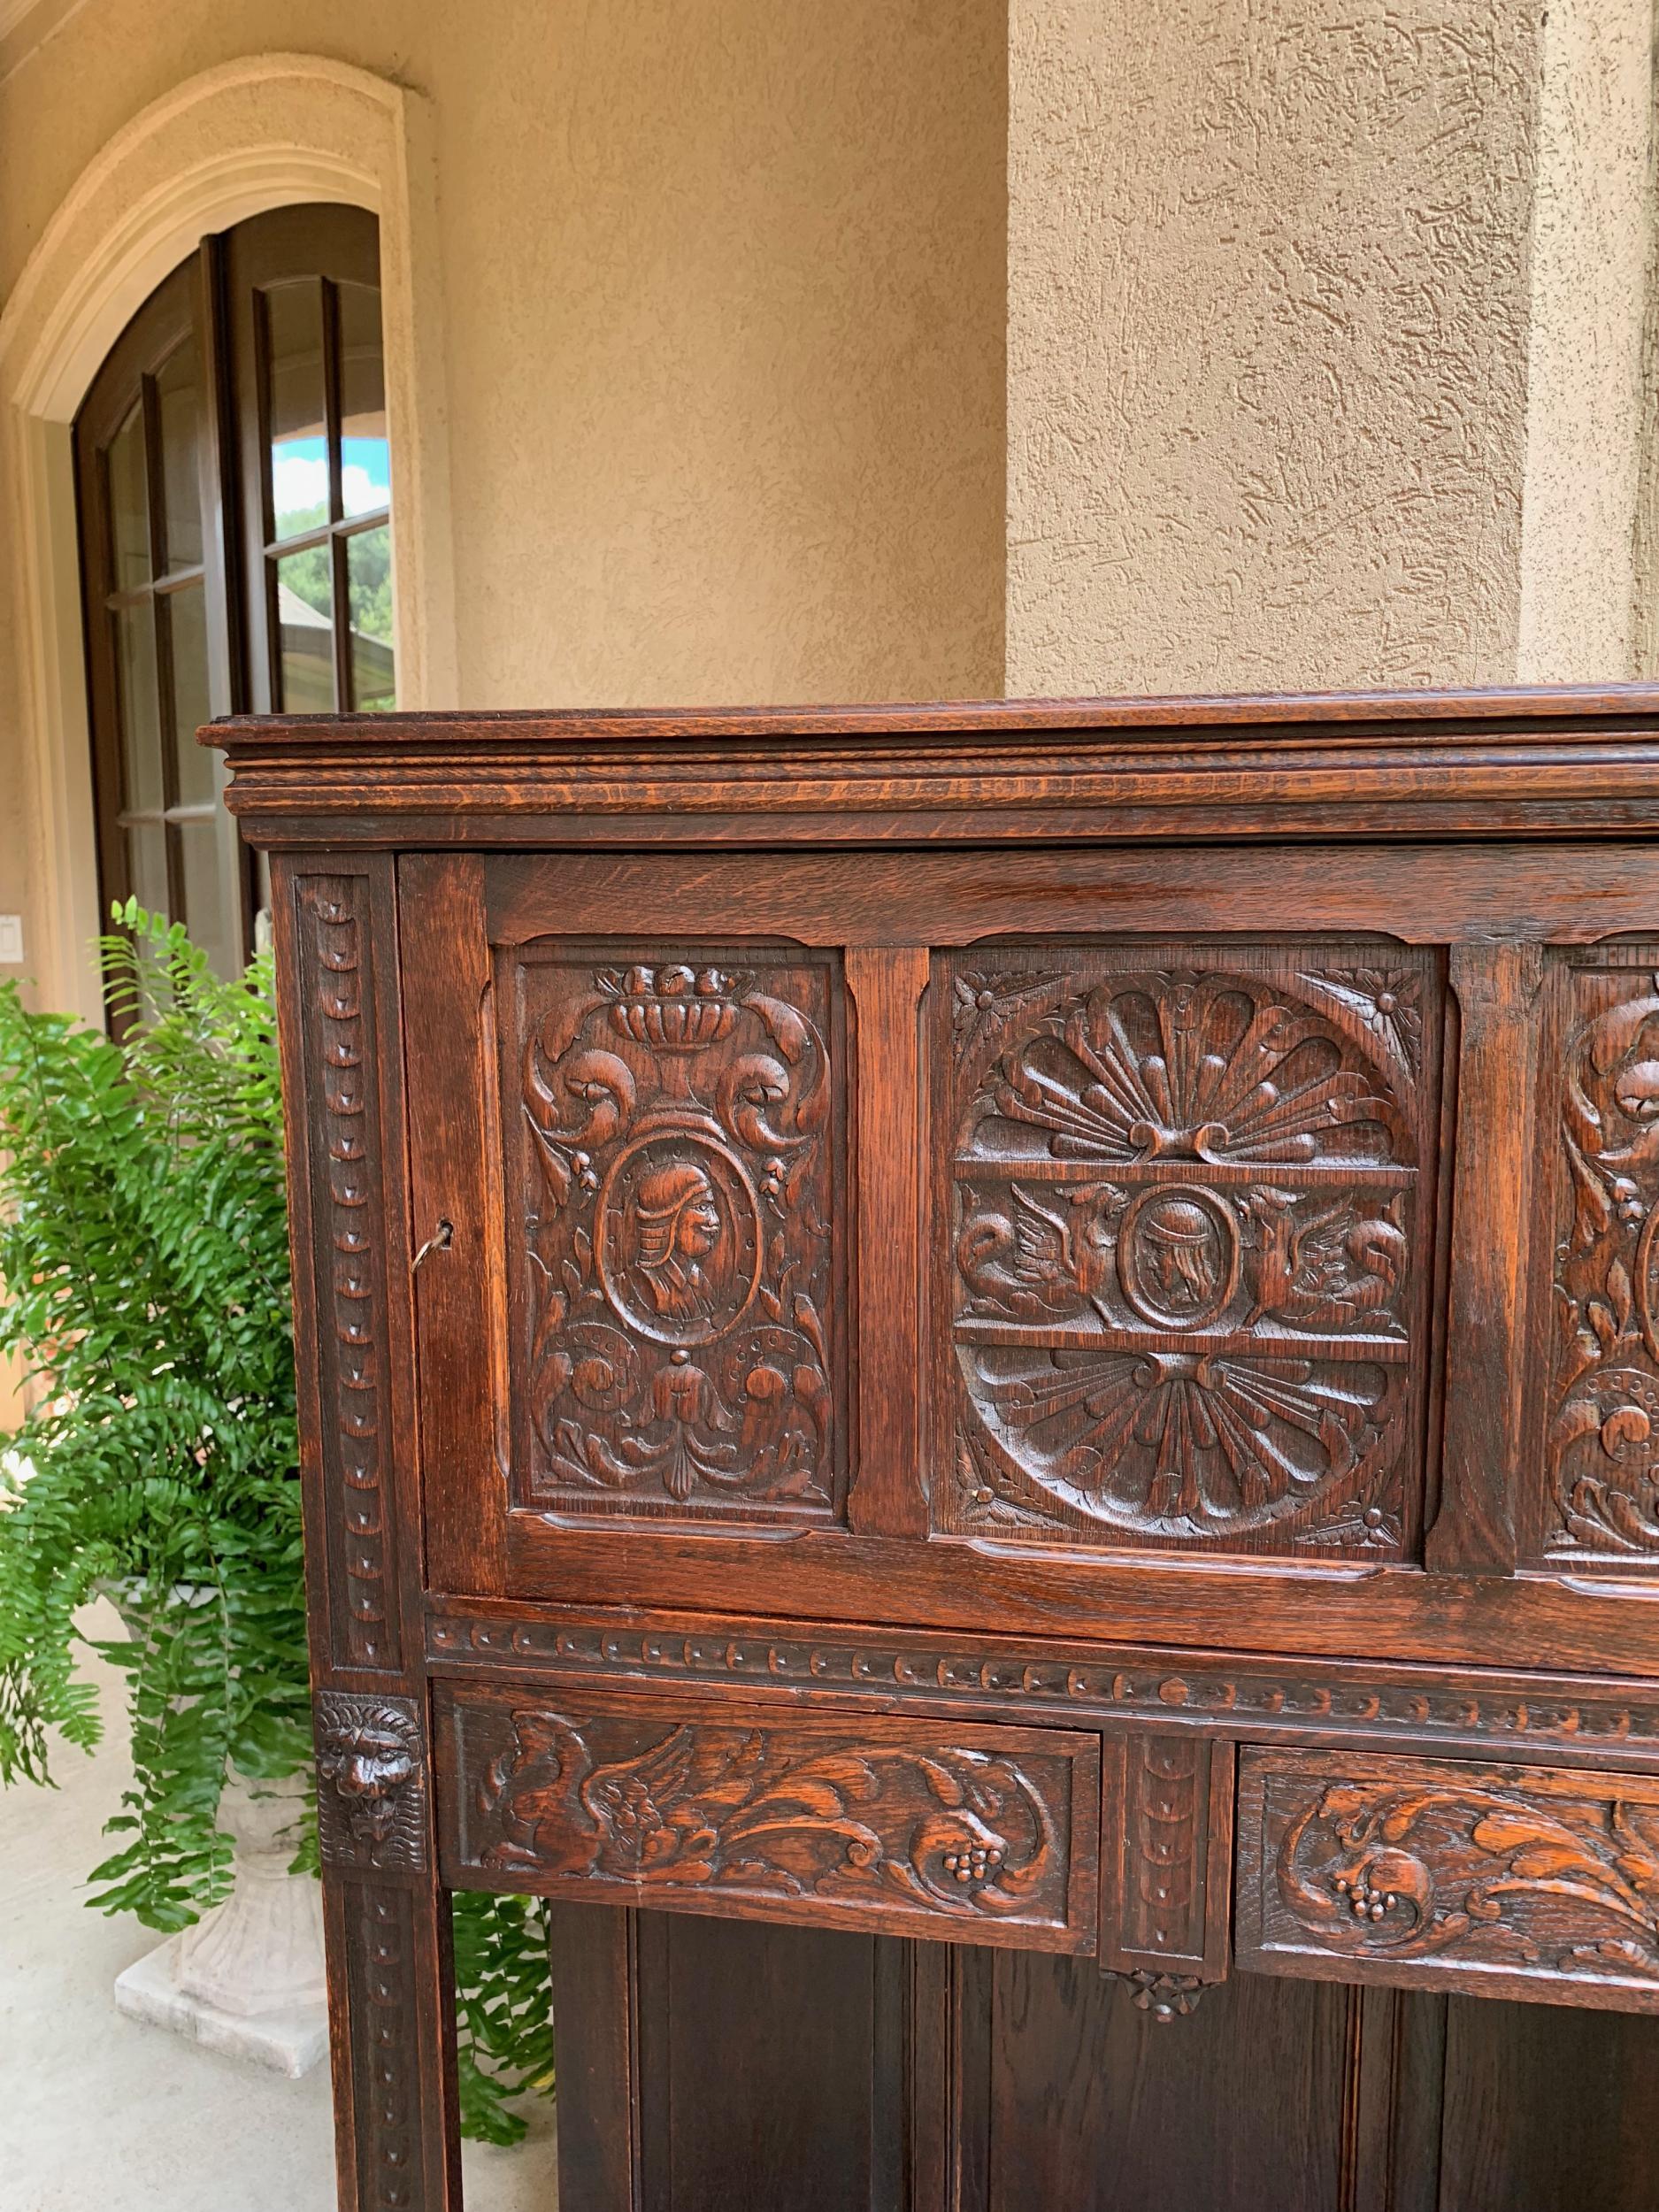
[251,383]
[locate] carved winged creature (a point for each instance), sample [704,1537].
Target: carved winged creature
[1325,1268]
[1047,1252]
[710,1804]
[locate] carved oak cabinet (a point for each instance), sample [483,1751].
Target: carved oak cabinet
[970,1374]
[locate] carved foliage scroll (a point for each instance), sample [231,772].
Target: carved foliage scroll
[1188,1249]
[1603,1439]
[847,1819]
[336,1027]
[1425,1869]
[674,1132]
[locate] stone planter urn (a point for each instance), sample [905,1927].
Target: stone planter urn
[247,1979]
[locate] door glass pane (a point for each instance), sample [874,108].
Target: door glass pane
[304,611]
[369,580]
[365,457]
[193,774]
[210,914]
[129,505]
[139,707]
[146,858]
[294,397]
[178,406]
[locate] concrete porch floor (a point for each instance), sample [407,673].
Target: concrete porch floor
[96,2110]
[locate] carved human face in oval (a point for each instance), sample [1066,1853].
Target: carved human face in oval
[1183,1253]
[678,1237]
[676,1228]
[1179,1256]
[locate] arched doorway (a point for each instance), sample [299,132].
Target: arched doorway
[234,488]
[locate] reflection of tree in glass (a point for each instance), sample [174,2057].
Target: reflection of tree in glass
[307,575]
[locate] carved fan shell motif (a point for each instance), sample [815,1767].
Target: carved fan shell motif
[1183,1245]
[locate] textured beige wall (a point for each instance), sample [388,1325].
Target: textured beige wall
[1582,599]
[1268,321]
[724,300]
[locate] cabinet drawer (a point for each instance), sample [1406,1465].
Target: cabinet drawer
[1511,1881]
[975,1835]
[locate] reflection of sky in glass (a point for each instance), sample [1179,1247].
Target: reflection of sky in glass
[299,480]
[365,474]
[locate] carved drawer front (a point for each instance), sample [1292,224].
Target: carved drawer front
[673,1135]
[1187,1243]
[1508,1881]
[974,1835]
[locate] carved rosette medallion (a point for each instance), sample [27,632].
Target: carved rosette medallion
[673,1136]
[1604,1441]
[1185,1256]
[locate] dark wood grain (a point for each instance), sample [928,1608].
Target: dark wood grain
[1166,1857]
[459,1287]
[1190,1244]
[1059,772]
[1546,2109]
[887,986]
[1496,989]
[596,2006]
[1596,1282]
[958,1833]
[1539,1883]
[855,1267]
[1093,2105]
[1545,1717]
[672,1140]
[1558,1621]
[385,1921]
[1392,2122]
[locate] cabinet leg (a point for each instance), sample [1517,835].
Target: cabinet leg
[391,2003]
[595,1954]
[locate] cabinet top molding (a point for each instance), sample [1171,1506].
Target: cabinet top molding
[1548,760]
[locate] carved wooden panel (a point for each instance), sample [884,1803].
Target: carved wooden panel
[383,1987]
[1189,1243]
[1602,1444]
[1167,1835]
[343,1206]
[673,1128]
[1073,1684]
[1518,1881]
[974,1835]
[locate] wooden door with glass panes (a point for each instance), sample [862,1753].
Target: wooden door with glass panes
[235,485]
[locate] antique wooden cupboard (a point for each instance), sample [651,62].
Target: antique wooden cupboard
[970,1374]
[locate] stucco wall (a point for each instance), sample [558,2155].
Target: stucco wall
[1586,585]
[724,284]
[1270,310]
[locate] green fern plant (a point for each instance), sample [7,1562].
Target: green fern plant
[143,1278]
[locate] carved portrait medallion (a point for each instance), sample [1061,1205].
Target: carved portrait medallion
[678,1237]
[671,1152]
[1178,1256]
